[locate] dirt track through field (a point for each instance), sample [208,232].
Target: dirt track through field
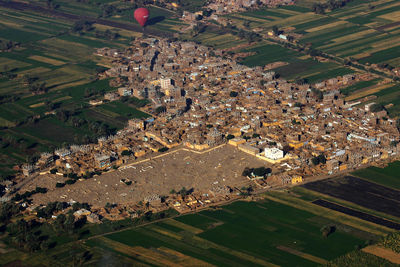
[302,254]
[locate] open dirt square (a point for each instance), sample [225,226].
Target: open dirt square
[202,171]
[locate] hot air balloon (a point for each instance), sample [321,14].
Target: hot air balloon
[141,15]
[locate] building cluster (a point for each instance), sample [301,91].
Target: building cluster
[231,6]
[342,81]
[200,99]
[155,203]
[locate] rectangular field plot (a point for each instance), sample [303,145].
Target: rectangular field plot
[9,64]
[382,55]
[47,60]
[55,133]
[299,65]
[358,214]
[358,86]
[65,62]
[388,176]
[312,70]
[263,233]
[360,192]
[268,53]
[364,30]
[198,220]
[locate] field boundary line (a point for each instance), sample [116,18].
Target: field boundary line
[302,255]
[365,179]
[334,215]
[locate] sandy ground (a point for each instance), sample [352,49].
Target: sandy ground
[210,170]
[385,253]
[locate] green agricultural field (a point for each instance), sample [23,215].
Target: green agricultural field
[29,138]
[382,55]
[309,195]
[388,176]
[387,93]
[268,53]
[115,114]
[299,65]
[56,132]
[51,54]
[363,29]
[240,234]
[390,95]
[360,258]
[358,86]
[160,19]
[215,38]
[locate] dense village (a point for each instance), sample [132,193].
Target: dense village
[227,6]
[203,102]
[221,6]
[199,132]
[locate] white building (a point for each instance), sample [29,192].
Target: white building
[273,153]
[368,106]
[62,152]
[125,91]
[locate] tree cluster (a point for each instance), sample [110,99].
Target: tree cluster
[38,88]
[246,191]
[6,45]
[376,108]
[301,81]
[160,109]
[197,29]
[248,35]
[276,30]
[98,128]
[82,26]
[7,211]
[8,98]
[108,10]
[50,208]
[320,8]
[26,235]
[384,65]
[318,159]
[126,153]
[328,230]
[261,171]
[107,34]
[318,93]
[51,4]
[28,194]
[233,94]
[183,192]
[230,136]
[92,92]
